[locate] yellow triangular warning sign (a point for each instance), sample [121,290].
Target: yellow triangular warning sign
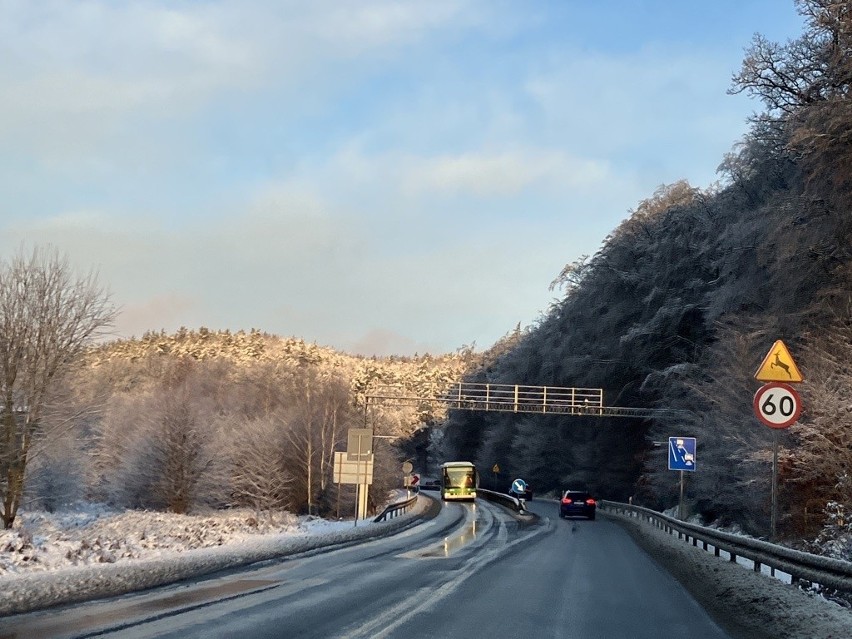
[778,366]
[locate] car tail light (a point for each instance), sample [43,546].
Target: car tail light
[590,502]
[566,501]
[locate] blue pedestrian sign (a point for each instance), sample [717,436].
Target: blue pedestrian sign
[681,453]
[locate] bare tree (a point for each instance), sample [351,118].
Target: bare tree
[47,316]
[257,471]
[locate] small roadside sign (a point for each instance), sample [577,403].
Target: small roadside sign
[519,486]
[682,453]
[352,472]
[495,468]
[777,405]
[415,479]
[778,366]
[359,444]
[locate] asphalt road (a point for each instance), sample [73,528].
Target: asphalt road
[473,571]
[581,579]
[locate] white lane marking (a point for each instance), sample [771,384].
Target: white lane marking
[426,598]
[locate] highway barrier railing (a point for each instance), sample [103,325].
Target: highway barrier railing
[395,510]
[801,566]
[501,498]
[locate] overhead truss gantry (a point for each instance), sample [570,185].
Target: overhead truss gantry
[548,400]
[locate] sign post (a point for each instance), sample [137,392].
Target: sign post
[359,449]
[682,458]
[407,467]
[778,405]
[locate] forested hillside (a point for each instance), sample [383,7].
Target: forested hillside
[683,300]
[207,418]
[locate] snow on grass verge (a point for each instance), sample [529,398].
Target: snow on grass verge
[72,557]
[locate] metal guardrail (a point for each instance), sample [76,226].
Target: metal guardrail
[801,566]
[397,509]
[501,498]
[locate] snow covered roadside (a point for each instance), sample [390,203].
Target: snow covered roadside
[135,551]
[745,603]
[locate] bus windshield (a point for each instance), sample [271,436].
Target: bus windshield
[458,477]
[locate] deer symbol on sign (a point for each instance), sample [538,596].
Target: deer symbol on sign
[779,364]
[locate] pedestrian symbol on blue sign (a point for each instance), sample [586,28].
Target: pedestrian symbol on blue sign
[681,453]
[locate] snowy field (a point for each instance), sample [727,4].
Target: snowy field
[91,552]
[94,534]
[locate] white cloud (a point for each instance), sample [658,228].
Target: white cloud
[82,78]
[361,26]
[483,174]
[503,173]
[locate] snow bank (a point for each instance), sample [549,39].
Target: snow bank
[72,557]
[745,603]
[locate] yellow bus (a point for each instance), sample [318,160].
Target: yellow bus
[459,481]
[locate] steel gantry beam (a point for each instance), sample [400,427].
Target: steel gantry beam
[546,400]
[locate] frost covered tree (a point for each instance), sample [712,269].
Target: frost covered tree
[822,459]
[314,423]
[48,314]
[257,473]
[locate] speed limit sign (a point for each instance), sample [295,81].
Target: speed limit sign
[777,405]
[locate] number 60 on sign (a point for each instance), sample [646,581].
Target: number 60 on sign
[777,405]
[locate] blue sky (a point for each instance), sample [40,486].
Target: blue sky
[380,177]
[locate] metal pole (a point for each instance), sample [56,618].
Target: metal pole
[680,506]
[774,515]
[358,483]
[366,485]
[358,488]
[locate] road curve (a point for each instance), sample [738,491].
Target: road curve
[472,571]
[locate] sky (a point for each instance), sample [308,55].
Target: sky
[381,177]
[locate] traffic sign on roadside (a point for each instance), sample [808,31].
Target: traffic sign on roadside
[777,405]
[682,453]
[778,366]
